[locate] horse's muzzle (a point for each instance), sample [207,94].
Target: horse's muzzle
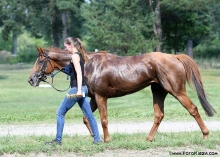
[33,82]
[35,79]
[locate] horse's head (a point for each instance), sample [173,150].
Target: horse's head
[47,61]
[43,66]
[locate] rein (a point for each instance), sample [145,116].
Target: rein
[52,75]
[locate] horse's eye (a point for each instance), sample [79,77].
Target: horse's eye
[40,62]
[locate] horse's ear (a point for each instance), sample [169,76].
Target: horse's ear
[40,50]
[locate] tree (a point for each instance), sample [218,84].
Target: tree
[118,26]
[38,23]
[157,25]
[184,22]
[5,45]
[71,19]
[209,46]
[214,21]
[54,19]
[44,20]
[12,17]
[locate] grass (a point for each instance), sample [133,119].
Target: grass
[75,144]
[22,104]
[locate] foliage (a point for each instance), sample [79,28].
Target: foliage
[74,19]
[209,46]
[215,23]
[39,21]
[209,49]
[184,20]
[118,26]
[5,44]
[4,56]
[45,19]
[27,48]
[12,16]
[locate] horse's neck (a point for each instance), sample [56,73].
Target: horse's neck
[61,59]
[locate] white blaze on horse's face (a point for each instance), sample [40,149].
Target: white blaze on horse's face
[33,79]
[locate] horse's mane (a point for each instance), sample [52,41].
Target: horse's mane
[102,52]
[55,49]
[97,52]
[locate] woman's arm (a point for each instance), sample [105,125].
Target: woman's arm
[76,62]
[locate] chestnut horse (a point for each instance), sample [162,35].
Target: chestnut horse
[111,76]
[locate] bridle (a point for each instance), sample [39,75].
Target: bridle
[41,74]
[43,62]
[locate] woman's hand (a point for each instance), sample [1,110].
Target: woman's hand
[79,94]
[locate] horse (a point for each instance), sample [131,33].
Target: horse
[108,75]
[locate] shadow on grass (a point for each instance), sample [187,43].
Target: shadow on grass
[2,77]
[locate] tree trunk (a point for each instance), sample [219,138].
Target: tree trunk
[157,26]
[56,39]
[189,49]
[64,34]
[14,47]
[55,33]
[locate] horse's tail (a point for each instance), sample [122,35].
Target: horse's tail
[194,80]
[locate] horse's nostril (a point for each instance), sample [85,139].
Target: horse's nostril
[30,81]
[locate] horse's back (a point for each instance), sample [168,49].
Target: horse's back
[120,75]
[132,73]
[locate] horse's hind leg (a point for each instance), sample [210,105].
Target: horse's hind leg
[85,120]
[192,109]
[159,95]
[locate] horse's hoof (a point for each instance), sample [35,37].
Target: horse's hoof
[149,139]
[205,137]
[107,140]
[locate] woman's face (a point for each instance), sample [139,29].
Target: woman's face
[68,47]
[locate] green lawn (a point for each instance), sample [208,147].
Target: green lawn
[82,145]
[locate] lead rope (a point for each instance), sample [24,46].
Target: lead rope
[51,84]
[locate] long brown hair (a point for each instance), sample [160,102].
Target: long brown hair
[79,46]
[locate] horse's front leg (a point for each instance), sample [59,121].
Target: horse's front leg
[102,107]
[93,105]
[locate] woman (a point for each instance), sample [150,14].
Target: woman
[78,86]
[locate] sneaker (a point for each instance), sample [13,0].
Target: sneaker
[54,142]
[98,142]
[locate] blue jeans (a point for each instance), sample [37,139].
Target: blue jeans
[85,107]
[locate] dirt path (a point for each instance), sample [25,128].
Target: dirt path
[80,129]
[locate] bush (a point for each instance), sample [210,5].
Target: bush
[5,56]
[27,55]
[27,48]
[208,50]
